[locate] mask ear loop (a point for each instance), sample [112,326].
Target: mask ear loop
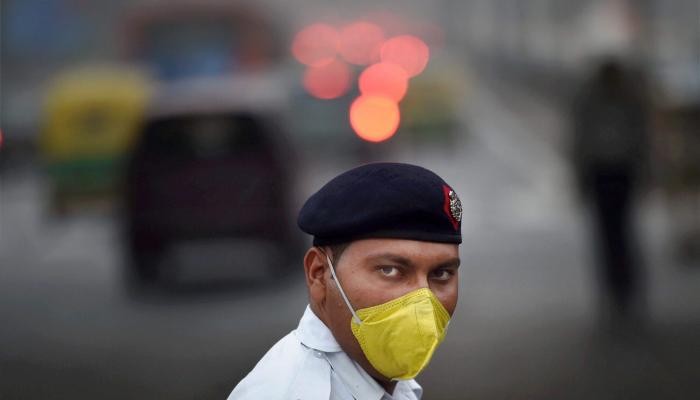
[342,292]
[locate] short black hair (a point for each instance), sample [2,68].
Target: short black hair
[336,250]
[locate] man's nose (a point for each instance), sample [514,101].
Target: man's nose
[422,282]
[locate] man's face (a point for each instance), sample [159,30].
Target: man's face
[375,271]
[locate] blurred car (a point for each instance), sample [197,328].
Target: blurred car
[212,165]
[91,117]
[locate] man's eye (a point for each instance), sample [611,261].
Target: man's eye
[389,271]
[442,274]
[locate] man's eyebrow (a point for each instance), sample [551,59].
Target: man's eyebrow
[394,258]
[452,263]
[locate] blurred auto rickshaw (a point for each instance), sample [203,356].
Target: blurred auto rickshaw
[210,179]
[91,116]
[682,178]
[431,112]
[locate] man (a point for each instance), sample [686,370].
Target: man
[610,151]
[382,281]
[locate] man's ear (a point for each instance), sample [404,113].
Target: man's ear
[315,270]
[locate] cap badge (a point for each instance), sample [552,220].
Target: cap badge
[453,206]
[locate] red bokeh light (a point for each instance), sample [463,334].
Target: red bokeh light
[329,81]
[360,42]
[384,79]
[374,118]
[316,45]
[407,51]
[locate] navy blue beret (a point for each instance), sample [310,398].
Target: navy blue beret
[383,200]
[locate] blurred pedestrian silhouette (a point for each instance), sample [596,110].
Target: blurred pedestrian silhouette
[610,147]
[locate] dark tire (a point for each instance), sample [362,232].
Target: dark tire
[142,268]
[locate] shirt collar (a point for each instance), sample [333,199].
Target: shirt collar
[313,333]
[362,386]
[410,386]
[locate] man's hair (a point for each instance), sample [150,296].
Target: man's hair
[336,250]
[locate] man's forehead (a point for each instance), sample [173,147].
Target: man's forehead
[402,249]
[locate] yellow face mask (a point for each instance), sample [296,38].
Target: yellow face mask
[400,336]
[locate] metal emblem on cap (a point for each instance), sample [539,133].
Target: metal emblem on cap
[455,206]
[452,207]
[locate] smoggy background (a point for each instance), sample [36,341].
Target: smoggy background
[154,155]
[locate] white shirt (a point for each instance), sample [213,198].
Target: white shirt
[308,364]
